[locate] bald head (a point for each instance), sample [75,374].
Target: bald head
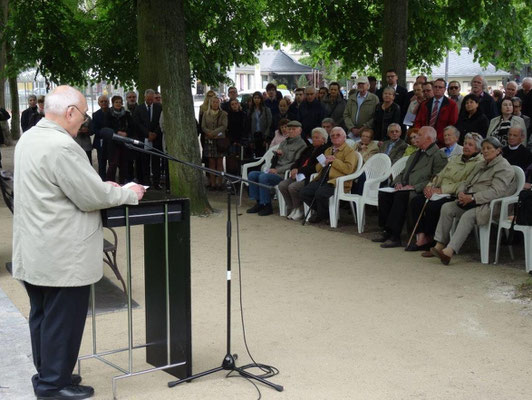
[67,107]
[425,137]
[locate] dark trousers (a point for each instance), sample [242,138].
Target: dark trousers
[118,160]
[322,193]
[143,163]
[431,215]
[393,208]
[102,163]
[57,319]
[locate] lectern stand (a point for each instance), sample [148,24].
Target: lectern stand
[168,346]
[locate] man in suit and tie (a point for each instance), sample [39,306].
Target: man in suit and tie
[395,146]
[97,123]
[438,112]
[146,117]
[401,94]
[360,109]
[421,166]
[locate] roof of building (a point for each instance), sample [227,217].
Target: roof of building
[278,62]
[463,65]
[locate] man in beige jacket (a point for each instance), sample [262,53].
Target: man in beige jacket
[58,238]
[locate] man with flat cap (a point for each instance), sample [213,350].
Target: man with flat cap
[286,154]
[360,109]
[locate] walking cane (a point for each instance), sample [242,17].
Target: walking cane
[417,222]
[314,198]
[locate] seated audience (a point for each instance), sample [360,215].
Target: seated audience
[280,134]
[420,168]
[341,160]
[411,140]
[499,125]
[287,153]
[366,146]
[395,146]
[450,139]
[386,113]
[445,182]
[515,153]
[306,165]
[471,118]
[491,179]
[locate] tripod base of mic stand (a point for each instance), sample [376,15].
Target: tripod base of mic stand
[228,364]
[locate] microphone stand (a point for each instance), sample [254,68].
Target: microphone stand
[228,363]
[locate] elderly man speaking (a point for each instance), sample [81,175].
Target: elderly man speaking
[58,238]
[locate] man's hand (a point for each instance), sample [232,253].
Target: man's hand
[139,190]
[329,159]
[293,173]
[272,171]
[121,133]
[112,183]
[464,198]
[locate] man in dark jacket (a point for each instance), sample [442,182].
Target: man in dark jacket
[334,105]
[400,92]
[311,112]
[97,123]
[28,112]
[486,104]
[146,118]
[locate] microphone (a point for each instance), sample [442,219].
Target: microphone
[108,134]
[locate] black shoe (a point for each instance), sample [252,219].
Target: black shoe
[315,219]
[76,379]
[266,210]
[73,392]
[383,237]
[415,247]
[255,209]
[390,243]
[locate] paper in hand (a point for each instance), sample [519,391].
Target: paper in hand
[321,160]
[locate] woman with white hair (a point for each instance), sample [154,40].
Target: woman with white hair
[300,173]
[492,178]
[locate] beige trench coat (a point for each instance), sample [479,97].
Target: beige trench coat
[57,226]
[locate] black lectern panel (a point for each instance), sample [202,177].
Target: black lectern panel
[151,213]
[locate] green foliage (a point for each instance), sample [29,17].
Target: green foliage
[302,82]
[350,31]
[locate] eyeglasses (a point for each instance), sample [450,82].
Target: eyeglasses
[453,87]
[85,115]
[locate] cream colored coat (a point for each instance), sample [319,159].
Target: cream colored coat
[57,227]
[455,172]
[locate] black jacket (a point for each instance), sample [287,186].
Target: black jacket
[478,123]
[383,118]
[25,118]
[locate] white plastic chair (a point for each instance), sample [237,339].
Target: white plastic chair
[398,167]
[280,198]
[266,159]
[377,170]
[504,220]
[527,233]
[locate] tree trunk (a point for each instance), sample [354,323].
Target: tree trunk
[148,44]
[394,38]
[4,127]
[15,109]
[178,107]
